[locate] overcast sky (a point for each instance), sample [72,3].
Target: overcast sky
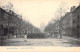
[38,11]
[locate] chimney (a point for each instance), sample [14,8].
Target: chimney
[72,8]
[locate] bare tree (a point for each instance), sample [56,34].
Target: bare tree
[60,12]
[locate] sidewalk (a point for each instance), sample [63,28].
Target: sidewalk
[71,38]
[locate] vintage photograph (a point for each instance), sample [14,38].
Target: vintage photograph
[40,23]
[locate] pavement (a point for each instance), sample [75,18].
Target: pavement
[65,42]
[72,40]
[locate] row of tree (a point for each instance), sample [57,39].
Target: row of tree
[58,15]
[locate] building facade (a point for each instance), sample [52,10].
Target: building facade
[66,24]
[76,22]
[10,23]
[69,24]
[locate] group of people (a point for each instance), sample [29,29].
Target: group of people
[55,35]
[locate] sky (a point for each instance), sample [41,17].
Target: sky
[38,11]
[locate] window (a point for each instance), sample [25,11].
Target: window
[74,20]
[78,27]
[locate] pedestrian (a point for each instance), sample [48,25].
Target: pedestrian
[25,38]
[14,36]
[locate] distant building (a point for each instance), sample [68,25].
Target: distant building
[42,26]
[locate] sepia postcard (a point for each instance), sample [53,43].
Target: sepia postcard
[40,25]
